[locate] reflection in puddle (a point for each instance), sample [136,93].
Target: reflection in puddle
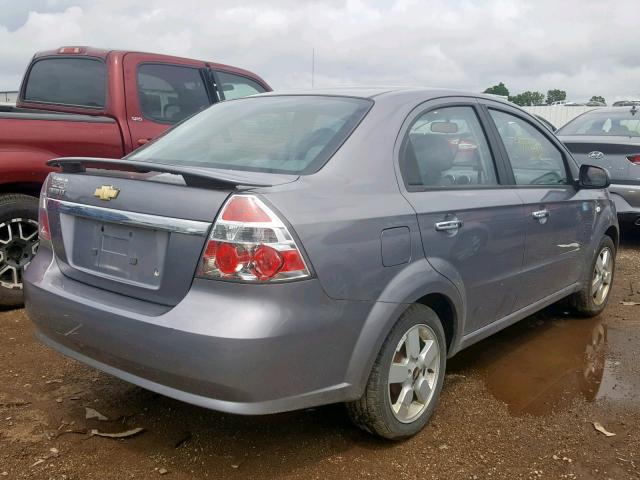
[545,361]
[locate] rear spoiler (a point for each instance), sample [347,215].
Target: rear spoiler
[222,177]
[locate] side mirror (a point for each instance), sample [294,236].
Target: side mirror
[593,177]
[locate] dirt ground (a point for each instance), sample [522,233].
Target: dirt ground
[518,405]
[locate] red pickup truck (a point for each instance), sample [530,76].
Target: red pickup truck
[81,101]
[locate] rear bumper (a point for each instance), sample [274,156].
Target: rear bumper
[627,200]
[245,349]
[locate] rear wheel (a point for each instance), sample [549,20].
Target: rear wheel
[18,244]
[406,379]
[593,297]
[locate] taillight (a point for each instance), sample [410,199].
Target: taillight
[44,232]
[250,243]
[634,159]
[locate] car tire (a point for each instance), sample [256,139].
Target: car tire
[589,302]
[377,410]
[18,237]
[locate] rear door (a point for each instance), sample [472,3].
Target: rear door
[472,227]
[559,218]
[160,94]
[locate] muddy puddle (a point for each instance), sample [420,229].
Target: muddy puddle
[543,363]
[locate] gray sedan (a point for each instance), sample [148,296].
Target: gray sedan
[610,138]
[283,251]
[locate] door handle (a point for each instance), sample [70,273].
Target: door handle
[448,225]
[540,214]
[142,141]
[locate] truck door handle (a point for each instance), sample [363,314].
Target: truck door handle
[541,216]
[448,225]
[142,141]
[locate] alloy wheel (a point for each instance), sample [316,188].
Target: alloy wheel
[413,373]
[18,246]
[602,276]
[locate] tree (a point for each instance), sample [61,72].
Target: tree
[598,98]
[556,95]
[528,98]
[499,89]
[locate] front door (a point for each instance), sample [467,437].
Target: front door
[160,94]
[472,227]
[559,218]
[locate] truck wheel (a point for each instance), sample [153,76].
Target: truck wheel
[406,379]
[18,244]
[594,295]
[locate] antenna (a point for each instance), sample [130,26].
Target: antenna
[313,65]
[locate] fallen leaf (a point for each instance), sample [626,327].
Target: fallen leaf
[598,426]
[38,462]
[90,413]
[630,304]
[163,471]
[128,433]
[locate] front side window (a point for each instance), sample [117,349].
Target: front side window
[535,160]
[447,148]
[277,134]
[170,93]
[67,81]
[236,86]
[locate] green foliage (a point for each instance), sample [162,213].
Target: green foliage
[526,99]
[597,98]
[499,89]
[556,95]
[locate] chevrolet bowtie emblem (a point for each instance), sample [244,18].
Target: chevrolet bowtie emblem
[106,193]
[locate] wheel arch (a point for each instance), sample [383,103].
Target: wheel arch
[433,290]
[614,234]
[25,188]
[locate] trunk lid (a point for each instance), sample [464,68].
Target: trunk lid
[614,149]
[137,234]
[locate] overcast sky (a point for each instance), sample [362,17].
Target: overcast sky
[582,46]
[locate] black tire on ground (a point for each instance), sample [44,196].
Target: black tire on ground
[13,206]
[373,411]
[583,301]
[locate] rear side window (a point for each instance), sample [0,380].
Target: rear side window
[604,123]
[67,81]
[535,160]
[294,134]
[236,86]
[447,148]
[170,93]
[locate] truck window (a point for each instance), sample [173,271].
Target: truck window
[170,93]
[236,86]
[67,81]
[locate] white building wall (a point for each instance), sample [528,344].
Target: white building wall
[8,97]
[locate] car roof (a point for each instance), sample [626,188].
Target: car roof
[372,92]
[621,109]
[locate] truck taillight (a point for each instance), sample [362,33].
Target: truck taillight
[250,243]
[44,232]
[634,159]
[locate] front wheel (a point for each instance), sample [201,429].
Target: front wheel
[406,379]
[18,244]
[594,295]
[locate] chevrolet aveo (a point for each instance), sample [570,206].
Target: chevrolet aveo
[290,250]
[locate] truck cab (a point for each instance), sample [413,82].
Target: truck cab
[83,101]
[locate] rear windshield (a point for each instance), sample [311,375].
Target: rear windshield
[294,134]
[604,123]
[67,81]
